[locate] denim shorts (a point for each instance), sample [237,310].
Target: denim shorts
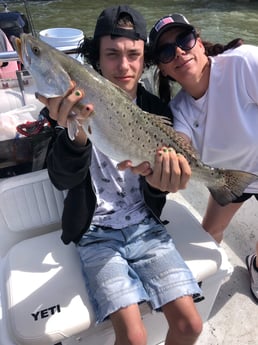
[134,264]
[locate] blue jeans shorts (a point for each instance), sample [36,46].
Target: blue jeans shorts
[130,265]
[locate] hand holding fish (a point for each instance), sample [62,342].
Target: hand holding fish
[171,172]
[61,108]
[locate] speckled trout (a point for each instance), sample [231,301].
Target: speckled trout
[118,127]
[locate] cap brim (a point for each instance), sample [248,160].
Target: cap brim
[168,27]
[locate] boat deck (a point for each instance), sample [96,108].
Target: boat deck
[233,320]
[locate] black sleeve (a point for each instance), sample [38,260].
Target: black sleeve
[67,163]
[152,103]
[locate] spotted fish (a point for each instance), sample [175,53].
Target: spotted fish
[118,127]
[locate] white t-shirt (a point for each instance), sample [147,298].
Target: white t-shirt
[223,124]
[120,201]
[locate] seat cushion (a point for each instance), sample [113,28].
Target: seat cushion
[29,206]
[45,294]
[46,299]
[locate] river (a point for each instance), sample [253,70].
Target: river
[218,21]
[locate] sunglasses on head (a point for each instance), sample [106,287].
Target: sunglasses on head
[185,41]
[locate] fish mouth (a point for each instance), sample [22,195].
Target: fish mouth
[18,46]
[21,49]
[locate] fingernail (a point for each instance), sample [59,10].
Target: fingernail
[165,150]
[77,93]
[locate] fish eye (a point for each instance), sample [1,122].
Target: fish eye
[36,50]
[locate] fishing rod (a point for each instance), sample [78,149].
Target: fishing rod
[29,17]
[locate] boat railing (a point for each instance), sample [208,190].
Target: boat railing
[9,56]
[13,56]
[23,77]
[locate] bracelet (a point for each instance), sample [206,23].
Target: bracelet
[59,129]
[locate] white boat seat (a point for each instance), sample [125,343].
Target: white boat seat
[29,206]
[43,295]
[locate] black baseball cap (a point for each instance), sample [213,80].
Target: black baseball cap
[166,23]
[107,23]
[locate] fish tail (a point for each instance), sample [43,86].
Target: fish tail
[233,186]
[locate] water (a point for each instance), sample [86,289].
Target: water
[218,21]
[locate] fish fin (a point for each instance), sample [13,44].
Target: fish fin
[123,92]
[235,182]
[177,141]
[72,128]
[164,120]
[158,119]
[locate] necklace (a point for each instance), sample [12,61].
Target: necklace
[200,107]
[201,104]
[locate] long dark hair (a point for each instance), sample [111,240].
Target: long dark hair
[165,84]
[212,49]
